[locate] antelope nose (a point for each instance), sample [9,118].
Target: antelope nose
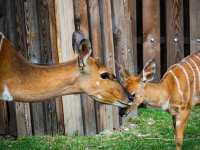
[130,98]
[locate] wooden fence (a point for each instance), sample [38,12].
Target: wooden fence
[126,32]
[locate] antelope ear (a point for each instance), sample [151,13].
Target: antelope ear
[123,74]
[85,51]
[149,71]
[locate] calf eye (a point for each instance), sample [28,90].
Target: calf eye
[105,75]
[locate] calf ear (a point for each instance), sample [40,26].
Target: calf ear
[149,71]
[123,75]
[85,51]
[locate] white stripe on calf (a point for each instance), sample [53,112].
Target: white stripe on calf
[177,83]
[194,75]
[196,56]
[187,79]
[198,70]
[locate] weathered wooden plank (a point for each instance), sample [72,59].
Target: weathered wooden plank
[186,26]
[55,59]
[46,58]
[175,39]
[81,20]
[123,40]
[95,36]
[130,11]
[109,117]
[151,31]
[194,25]
[124,29]
[23,116]
[33,45]
[3,118]
[65,27]
[3,108]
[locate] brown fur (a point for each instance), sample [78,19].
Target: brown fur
[159,94]
[30,83]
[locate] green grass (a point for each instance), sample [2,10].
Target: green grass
[152,131]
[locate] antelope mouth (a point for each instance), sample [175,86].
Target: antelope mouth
[117,103]
[121,104]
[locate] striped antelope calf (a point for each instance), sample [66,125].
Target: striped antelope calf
[176,93]
[26,82]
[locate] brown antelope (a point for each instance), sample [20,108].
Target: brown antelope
[26,82]
[176,93]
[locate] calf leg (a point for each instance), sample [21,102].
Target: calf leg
[180,121]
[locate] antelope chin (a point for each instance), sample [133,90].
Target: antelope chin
[119,104]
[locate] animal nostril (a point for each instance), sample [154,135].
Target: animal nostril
[130,98]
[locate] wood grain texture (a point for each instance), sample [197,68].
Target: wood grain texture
[46,58]
[8,27]
[109,117]
[95,36]
[3,108]
[123,35]
[65,27]
[55,59]
[194,25]
[34,55]
[151,32]
[23,117]
[175,39]
[88,107]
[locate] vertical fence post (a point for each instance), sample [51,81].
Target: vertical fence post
[65,27]
[34,55]
[151,31]
[123,32]
[3,108]
[109,117]
[125,55]
[23,116]
[55,59]
[50,117]
[194,25]
[81,19]
[95,36]
[175,39]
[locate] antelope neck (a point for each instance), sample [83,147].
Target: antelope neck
[28,82]
[155,94]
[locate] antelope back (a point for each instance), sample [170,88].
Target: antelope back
[186,78]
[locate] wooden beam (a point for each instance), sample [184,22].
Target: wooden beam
[175,38]
[109,117]
[65,27]
[46,58]
[23,116]
[3,107]
[81,19]
[95,36]
[124,30]
[55,59]
[194,25]
[124,34]
[151,32]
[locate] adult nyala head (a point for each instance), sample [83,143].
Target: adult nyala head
[94,78]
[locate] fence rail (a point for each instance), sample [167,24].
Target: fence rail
[127,32]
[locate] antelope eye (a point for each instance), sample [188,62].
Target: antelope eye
[105,75]
[133,95]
